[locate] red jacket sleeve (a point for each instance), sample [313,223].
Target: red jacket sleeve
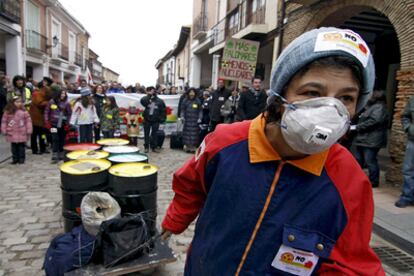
[189,181]
[352,254]
[188,186]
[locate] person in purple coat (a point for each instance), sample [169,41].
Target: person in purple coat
[57,115]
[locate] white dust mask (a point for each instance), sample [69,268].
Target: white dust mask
[312,126]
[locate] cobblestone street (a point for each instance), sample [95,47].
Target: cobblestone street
[30,211]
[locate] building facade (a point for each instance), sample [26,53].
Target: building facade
[55,43]
[173,68]
[11,56]
[95,67]
[386,25]
[109,75]
[255,20]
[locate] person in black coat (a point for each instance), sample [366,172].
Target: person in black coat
[191,115]
[372,134]
[99,101]
[218,98]
[155,113]
[252,102]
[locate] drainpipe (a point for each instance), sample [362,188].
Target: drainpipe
[281,27]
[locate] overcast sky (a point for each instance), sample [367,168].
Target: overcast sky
[131,35]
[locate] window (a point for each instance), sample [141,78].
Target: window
[33,25]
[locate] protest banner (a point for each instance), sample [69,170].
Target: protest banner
[239,60]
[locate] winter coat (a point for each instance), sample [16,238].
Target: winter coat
[109,119]
[54,111]
[218,98]
[99,101]
[372,127]
[241,190]
[407,119]
[205,118]
[24,92]
[17,127]
[155,110]
[191,111]
[251,104]
[37,108]
[84,116]
[132,122]
[229,109]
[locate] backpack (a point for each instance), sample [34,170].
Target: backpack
[69,251]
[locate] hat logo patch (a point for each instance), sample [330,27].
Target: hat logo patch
[346,41]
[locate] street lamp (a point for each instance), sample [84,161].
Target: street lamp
[55,41]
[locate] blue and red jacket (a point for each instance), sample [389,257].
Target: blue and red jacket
[250,202]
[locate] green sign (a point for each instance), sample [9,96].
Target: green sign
[239,60]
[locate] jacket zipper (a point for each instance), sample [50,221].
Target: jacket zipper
[261,217]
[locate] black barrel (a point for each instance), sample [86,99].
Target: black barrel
[132,179]
[128,158]
[79,177]
[84,175]
[70,222]
[134,186]
[82,146]
[137,203]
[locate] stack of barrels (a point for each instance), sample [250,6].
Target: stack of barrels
[127,176]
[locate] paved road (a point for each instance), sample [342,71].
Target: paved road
[30,208]
[4,149]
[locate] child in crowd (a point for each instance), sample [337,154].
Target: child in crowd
[57,115]
[131,118]
[84,115]
[110,117]
[16,125]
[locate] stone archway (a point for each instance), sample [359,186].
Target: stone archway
[401,16]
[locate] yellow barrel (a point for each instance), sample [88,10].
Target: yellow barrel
[87,154]
[113,142]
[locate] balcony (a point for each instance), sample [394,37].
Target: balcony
[60,52]
[36,42]
[246,20]
[64,52]
[200,26]
[10,9]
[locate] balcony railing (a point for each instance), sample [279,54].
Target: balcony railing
[245,14]
[10,9]
[200,25]
[36,41]
[64,52]
[61,51]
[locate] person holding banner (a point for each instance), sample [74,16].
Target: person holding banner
[278,195]
[155,113]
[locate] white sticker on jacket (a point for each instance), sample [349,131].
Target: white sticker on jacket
[295,261]
[344,40]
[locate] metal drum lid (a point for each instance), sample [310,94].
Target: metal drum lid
[84,167]
[82,146]
[113,142]
[133,170]
[87,154]
[128,158]
[121,149]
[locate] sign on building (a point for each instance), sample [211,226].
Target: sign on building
[239,60]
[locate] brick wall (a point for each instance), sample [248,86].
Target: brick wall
[401,15]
